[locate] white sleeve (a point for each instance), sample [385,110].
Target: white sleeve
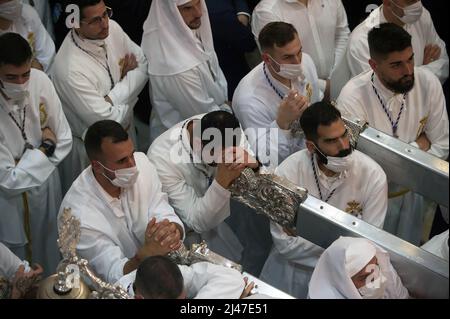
[350,105]
[104,256]
[259,20]
[440,66]
[128,89]
[9,263]
[358,54]
[32,170]
[376,201]
[186,94]
[295,249]
[437,127]
[44,47]
[342,34]
[395,288]
[198,213]
[205,280]
[88,104]
[57,122]
[267,140]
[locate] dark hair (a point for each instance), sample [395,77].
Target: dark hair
[387,38]
[99,131]
[224,122]
[14,50]
[157,277]
[320,113]
[82,4]
[276,34]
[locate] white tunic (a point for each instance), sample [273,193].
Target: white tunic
[30,27]
[200,201]
[255,104]
[43,9]
[422,33]
[34,175]
[82,82]
[330,279]
[322,27]
[9,263]
[438,245]
[424,111]
[202,280]
[112,230]
[185,75]
[360,191]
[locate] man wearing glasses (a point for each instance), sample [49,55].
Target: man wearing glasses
[98,73]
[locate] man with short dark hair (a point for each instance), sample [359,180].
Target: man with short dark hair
[197,161]
[34,138]
[123,213]
[406,102]
[98,73]
[275,94]
[335,173]
[410,15]
[158,277]
[23,19]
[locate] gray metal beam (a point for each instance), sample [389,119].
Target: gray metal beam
[423,274]
[407,165]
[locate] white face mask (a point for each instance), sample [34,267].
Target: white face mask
[15,92]
[11,10]
[290,71]
[374,289]
[337,164]
[412,13]
[125,177]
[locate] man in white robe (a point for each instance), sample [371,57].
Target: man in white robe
[158,277]
[322,26]
[407,102]
[16,276]
[198,191]
[124,215]
[98,73]
[34,138]
[185,75]
[275,93]
[332,172]
[429,50]
[355,268]
[23,19]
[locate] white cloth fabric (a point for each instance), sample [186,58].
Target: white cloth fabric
[30,27]
[34,174]
[202,280]
[82,83]
[112,229]
[9,263]
[200,202]
[360,191]
[438,245]
[422,33]
[42,7]
[330,279]
[425,111]
[255,104]
[185,75]
[322,27]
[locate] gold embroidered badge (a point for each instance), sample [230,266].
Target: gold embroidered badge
[31,41]
[354,208]
[309,91]
[43,115]
[422,123]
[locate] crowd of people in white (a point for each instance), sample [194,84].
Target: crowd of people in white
[68,139]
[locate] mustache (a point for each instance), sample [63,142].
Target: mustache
[344,153]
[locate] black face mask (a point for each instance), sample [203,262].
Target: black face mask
[323,158]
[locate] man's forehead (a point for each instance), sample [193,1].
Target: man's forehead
[9,69]
[186,3]
[94,10]
[334,130]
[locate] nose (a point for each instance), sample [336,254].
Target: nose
[198,11]
[131,162]
[22,80]
[344,143]
[298,59]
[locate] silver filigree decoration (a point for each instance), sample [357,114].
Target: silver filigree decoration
[355,127]
[201,252]
[69,237]
[270,195]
